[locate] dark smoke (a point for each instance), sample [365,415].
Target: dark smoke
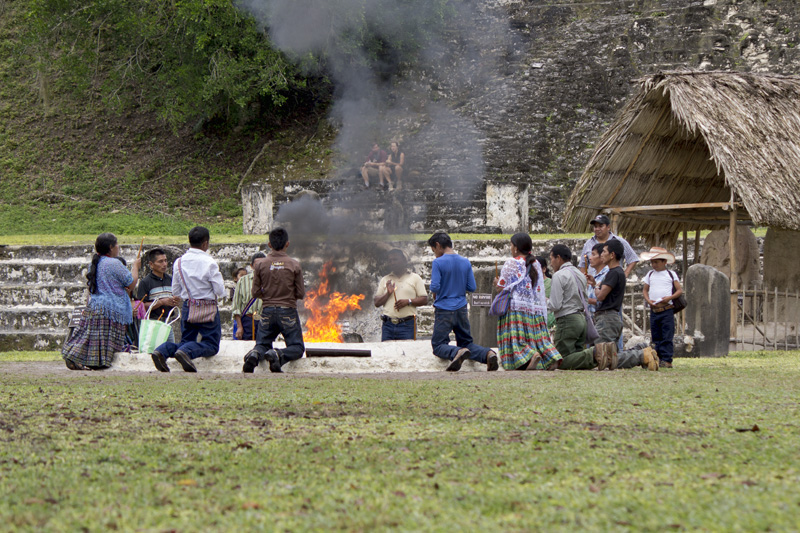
[417,100]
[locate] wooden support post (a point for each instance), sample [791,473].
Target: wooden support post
[733,265]
[696,247]
[685,255]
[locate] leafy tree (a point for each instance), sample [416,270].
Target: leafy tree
[184,59]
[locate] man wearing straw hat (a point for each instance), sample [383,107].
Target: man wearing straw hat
[661,287]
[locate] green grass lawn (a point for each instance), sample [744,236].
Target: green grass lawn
[568,451]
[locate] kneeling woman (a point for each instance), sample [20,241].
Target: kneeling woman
[101,331]
[522,335]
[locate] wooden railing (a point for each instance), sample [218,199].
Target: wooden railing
[767,319]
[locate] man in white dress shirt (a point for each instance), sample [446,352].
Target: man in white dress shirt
[196,277]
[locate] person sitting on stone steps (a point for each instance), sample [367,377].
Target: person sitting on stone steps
[197,281]
[278,281]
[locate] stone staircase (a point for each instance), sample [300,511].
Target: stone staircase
[42,285]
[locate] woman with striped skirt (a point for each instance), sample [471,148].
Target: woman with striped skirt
[101,331]
[522,336]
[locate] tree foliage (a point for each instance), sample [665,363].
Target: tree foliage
[212,59]
[184,59]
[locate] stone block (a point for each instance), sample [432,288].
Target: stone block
[782,270]
[708,312]
[395,356]
[507,206]
[483,326]
[257,209]
[716,253]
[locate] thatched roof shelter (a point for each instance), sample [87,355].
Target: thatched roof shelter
[685,145]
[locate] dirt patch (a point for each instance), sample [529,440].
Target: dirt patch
[57,368]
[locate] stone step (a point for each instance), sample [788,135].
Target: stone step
[31,340]
[42,294]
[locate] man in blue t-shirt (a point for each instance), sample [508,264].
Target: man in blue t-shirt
[451,280]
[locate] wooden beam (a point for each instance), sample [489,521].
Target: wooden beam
[667,207]
[690,221]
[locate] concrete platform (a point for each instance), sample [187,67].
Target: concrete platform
[398,356]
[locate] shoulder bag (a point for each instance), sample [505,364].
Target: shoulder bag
[200,311]
[502,302]
[679,303]
[591,331]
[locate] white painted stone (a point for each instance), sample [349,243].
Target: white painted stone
[507,207]
[257,207]
[398,356]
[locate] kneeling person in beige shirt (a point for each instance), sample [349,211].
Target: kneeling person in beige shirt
[400,293]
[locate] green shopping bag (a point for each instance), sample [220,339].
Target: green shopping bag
[153,333]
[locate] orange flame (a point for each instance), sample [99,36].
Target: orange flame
[326,307]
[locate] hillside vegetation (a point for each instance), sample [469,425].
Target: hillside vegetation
[144,116]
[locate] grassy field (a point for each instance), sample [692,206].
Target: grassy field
[710,445]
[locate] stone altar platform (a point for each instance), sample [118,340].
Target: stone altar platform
[396,356]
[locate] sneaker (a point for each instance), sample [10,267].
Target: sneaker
[665,364]
[274,361]
[185,361]
[492,363]
[250,362]
[455,364]
[600,356]
[160,361]
[650,359]
[611,350]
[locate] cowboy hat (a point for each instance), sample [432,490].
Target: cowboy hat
[658,253]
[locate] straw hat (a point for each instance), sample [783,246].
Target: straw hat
[658,253]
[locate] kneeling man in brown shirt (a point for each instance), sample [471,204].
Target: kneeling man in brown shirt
[278,281]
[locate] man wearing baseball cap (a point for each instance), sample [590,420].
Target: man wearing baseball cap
[602,233]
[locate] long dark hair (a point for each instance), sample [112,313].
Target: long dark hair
[102,246]
[543,264]
[524,244]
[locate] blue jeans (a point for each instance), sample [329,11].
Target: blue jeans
[211,333]
[404,331]
[284,321]
[662,330]
[458,322]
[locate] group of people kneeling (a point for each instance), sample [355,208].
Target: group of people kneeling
[524,337]
[527,338]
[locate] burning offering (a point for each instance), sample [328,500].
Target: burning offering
[325,308]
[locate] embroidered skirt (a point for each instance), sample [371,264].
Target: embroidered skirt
[94,341]
[520,336]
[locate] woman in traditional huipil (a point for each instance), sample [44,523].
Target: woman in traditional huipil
[101,331]
[522,336]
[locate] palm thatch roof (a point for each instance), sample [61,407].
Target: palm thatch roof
[695,138]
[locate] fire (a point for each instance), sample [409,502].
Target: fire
[325,308]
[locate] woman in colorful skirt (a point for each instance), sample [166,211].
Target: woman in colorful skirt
[101,331]
[522,336]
